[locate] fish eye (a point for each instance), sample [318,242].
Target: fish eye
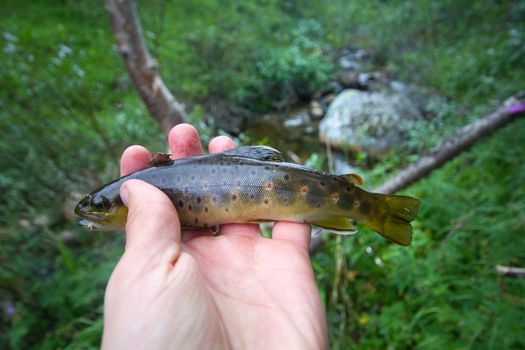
[100,203]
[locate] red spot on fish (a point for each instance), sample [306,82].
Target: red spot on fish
[304,189]
[268,185]
[335,197]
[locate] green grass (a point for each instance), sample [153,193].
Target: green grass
[66,114]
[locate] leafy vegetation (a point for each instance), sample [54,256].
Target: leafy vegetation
[67,110]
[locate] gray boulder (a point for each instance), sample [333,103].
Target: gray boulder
[367,121]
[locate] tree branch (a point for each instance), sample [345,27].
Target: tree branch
[510,271]
[459,142]
[448,149]
[142,68]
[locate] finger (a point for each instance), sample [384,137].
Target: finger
[134,158]
[188,235]
[220,144]
[290,231]
[184,141]
[246,230]
[151,216]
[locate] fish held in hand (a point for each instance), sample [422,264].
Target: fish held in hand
[254,184]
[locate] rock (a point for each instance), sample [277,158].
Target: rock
[348,79]
[397,86]
[367,121]
[296,119]
[328,99]
[353,59]
[333,87]
[372,80]
[315,110]
[349,62]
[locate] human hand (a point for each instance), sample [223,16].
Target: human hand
[191,290]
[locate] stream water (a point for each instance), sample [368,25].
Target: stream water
[301,140]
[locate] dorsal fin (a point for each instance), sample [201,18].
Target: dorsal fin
[355,179]
[160,159]
[263,153]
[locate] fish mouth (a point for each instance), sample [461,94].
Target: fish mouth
[92,221]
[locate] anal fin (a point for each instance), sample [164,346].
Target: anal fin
[340,224]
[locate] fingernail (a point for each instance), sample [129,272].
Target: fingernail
[124,195]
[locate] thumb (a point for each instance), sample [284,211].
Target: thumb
[151,216]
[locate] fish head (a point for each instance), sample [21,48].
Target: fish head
[102,209]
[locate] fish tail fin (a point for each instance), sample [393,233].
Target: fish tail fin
[394,224]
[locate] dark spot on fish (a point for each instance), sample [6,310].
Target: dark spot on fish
[214,199]
[318,205]
[348,189]
[199,199]
[213,171]
[322,183]
[224,170]
[265,201]
[266,167]
[286,177]
[227,209]
[178,178]
[163,180]
[206,209]
[189,207]
[193,177]
[252,171]
[365,208]
[234,197]
[181,204]
[252,196]
[285,199]
[196,220]
[239,182]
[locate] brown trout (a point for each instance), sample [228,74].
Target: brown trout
[254,184]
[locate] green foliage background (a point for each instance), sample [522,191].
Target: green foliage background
[67,111]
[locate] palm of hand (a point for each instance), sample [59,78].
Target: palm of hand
[238,290]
